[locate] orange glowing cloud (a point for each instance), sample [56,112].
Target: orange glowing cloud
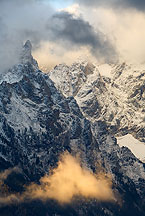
[66,182]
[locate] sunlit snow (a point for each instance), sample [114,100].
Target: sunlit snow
[105,70]
[137,147]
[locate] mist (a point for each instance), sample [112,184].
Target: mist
[117,4]
[40,23]
[66,182]
[19,21]
[98,33]
[121,23]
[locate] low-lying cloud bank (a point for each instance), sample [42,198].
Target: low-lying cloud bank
[67,181]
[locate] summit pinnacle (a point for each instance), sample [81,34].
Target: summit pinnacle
[26,55]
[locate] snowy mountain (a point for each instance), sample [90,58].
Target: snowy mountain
[38,123]
[114,94]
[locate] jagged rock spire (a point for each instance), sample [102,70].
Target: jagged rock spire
[26,55]
[28,45]
[27,48]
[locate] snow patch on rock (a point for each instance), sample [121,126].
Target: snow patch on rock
[137,147]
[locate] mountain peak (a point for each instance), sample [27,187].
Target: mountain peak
[26,54]
[28,45]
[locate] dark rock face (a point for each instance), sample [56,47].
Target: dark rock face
[37,124]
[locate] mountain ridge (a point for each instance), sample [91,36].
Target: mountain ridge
[38,123]
[118,100]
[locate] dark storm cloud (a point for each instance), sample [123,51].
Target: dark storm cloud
[126,4]
[65,27]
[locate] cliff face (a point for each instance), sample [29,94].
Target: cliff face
[111,93]
[38,123]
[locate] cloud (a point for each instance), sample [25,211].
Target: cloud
[19,21]
[124,28]
[50,54]
[104,36]
[66,182]
[125,4]
[71,38]
[6,173]
[5,197]
[39,22]
[65,27]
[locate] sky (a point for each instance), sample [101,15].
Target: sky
[104,31]
[60,4]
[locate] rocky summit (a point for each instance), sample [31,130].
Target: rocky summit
[73,109]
